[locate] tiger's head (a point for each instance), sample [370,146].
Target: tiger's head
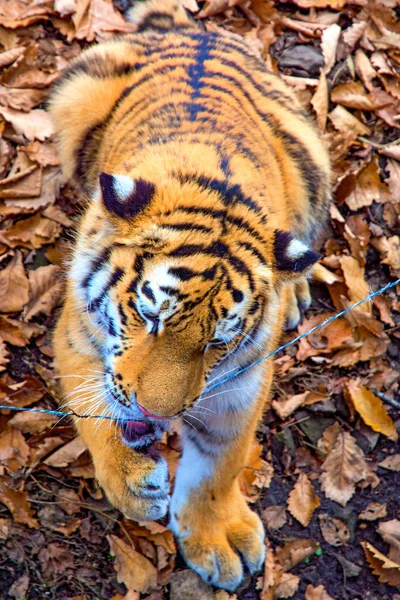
[175,278]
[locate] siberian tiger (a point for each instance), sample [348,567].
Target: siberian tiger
[205,184]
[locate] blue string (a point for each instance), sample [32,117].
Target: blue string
[72,413]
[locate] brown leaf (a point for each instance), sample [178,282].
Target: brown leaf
[329,41]
[371,409]
[287,586]
[285,407]
[133,569]
[303,500]
[392,463]
[317,593]
[67,454]
[19,587]
[214,7]
[390,532]
[320,102]
[343,468]
[34,125]
[366,188]
[328,439]
[17,503]
[14,286]
[32,422]
[46,291]
[14,451]
[97,16]
[334,531]
[374,510]
[344,121]
[55,558]
[389,249]
[274,516]
[386,570]
[353,95]
[295,552]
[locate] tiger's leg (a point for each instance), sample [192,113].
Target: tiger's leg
[135,482]
[216,530]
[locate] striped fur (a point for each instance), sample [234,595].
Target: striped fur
[205,184]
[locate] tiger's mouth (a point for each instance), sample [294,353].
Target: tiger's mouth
[140,433]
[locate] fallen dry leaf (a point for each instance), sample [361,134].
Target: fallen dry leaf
[317,593]
[14,286]
[329,42]
[274,516]
[334,531]
[344,466]
[385,569]
[390,532]
[374,510]
[287,586]
[303,500]
[14,451]
[34,125]
[371,409]
[62,457]
[45,291]
[17,503]
[133,569]
[392,463]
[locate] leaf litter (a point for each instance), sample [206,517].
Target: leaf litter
[324,473]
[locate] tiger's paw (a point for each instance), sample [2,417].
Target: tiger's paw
[136,484]
[220,550]
[299,300]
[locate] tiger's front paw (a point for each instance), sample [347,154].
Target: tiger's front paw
[299,300]
[135,483]
[220,549]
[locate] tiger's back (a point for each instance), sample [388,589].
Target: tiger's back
[191,103]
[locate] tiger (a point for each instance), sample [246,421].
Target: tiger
[204,185]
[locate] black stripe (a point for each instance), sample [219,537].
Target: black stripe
[188,227]
[148,292]
[253,250]
[96,265]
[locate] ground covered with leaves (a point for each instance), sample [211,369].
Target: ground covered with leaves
[324,475]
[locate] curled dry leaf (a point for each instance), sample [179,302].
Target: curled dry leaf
[45,291]
[344,121]
[303,500]
[392,463]
[344,466]
[317,593]
[34,125]
[294,552]
[371,409]
[334,531]
[287,586]
[14,451]
[328,439]
[14,286]
[274,516]
[17,503]
[320,101]
[385,569]
[67,454]
[389,249]
[390,532]
[329,41]
[133,569]
[354,277]
[374,510]
[286,407]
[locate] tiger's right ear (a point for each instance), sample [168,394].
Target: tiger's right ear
[125,197]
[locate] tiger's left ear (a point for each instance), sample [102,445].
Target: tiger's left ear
[124,197]
[292,257]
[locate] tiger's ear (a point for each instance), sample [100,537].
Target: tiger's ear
[125,197]
[292,257]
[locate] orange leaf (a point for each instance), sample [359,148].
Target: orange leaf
[386,570]
[303,500]
[371,409]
